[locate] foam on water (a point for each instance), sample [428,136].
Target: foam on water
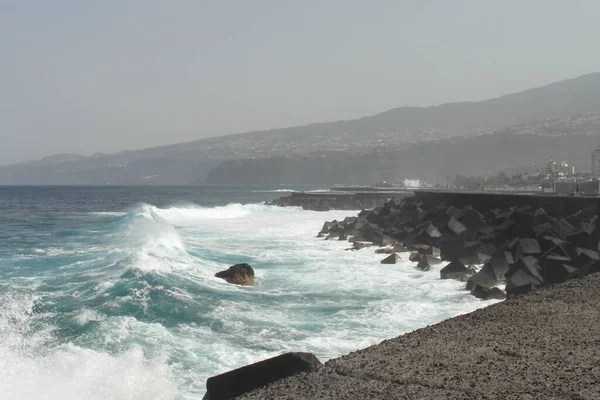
[141,315]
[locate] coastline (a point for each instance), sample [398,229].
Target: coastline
[539,346]
[531,346]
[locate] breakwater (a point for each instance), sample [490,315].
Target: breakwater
[501,245]
[523,241]
[540,346]
[343,200]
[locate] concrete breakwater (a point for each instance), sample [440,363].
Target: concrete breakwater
[344,200]
[538,346]
[523,241]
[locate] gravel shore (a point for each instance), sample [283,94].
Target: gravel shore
[545,345]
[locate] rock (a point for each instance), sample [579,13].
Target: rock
[523,276]
[557,268]
[485,252]
[485,277]
[486,293]
[391,259]
[432,231]
[327,226]
[525,247]
[427,261]
[361,245]
[590,267]
[456,270]
[563,228]
[451,247]
[388,241]
[415,256]
[500,264]
[245,379]
[455,226]
[238,274]
[587,254]
[454,212]
[399,249]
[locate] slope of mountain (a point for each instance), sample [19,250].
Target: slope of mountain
[481,155]
[392,130]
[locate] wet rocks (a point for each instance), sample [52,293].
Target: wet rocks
[391,259]
[456,270]
[238,274]
[524,246]
[427,261]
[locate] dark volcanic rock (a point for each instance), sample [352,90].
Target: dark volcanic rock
[523,276]
[238,274]
[391,259]
[486,293]
[427,261]
[456,270]
[557,268]
[415,256]
[484,277]
[525,247]
[245,379]
[524,244]
[455,226]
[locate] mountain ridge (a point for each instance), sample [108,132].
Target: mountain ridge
[397,128]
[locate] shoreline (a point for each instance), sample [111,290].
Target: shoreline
[533,243]
[543,345]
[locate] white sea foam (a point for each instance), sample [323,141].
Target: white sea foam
[309,295]
[30,368]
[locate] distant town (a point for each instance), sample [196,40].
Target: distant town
[558,177]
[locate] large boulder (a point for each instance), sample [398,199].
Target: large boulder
[238,274]
[487,293]
[456,226]
[500,264]
[391,259]
[524,247]
[245,379]
[427,261]
[557,268]
[361,245]
[524,276]
[456,270]
[484,277]
[485,252]
[415,256]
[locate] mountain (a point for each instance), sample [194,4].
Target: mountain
[534,110]
[482,155]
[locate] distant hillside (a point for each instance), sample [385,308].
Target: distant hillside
[577,99]
[481,155]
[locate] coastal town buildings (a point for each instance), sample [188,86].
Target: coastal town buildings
[595,163]
[557,170]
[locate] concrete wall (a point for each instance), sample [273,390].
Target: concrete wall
[554,205]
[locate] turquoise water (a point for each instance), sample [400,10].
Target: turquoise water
[109,293]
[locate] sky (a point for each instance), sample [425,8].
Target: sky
[105,76]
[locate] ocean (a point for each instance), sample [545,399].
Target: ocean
[110,293]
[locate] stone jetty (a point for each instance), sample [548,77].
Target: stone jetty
[541,346]
[541,343]
[341,200]
[521,241]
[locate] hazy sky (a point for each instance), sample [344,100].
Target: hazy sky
[108,75]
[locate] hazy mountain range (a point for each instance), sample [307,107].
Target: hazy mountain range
[560,120]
